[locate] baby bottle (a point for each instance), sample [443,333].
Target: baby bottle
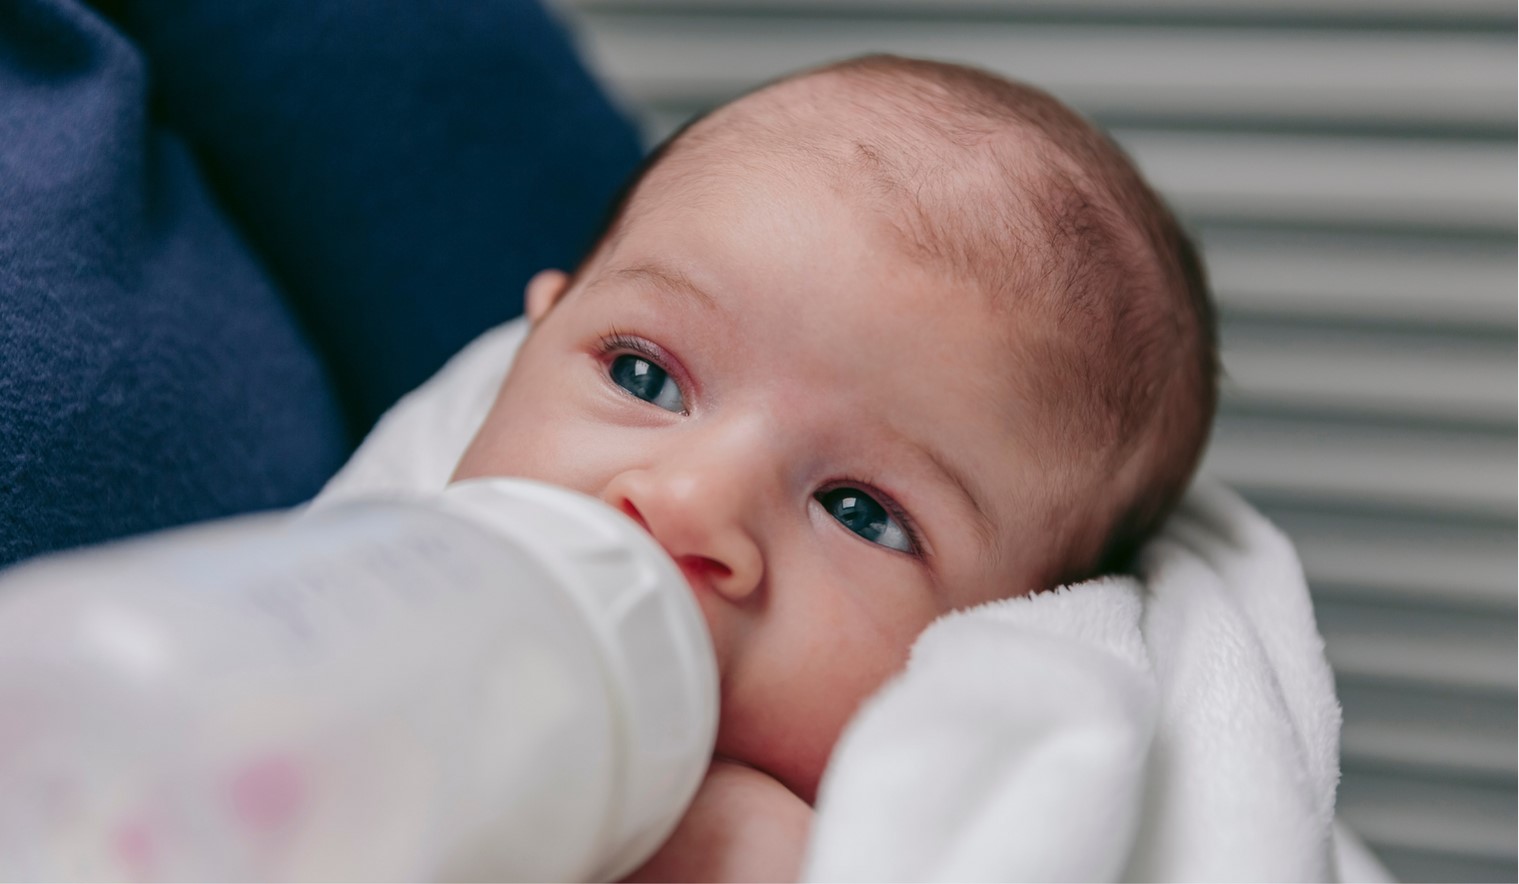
[505,681]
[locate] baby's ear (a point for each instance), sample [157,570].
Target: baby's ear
[543,291]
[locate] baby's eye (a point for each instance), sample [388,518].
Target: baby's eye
[860,513]
[648,382]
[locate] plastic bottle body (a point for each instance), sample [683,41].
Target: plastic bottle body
[375,690]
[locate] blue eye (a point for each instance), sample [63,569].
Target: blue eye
[862,514]
[648,382]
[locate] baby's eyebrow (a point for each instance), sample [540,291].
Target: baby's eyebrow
[668,279]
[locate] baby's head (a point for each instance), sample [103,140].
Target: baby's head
[873,343]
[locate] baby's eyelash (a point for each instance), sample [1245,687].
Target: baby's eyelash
[616,341]
[619,343]
[909,526]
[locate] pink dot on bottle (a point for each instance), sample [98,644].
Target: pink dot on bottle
[135,848]
[266,792]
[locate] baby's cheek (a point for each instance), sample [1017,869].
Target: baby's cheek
[714,611]
[502,456]
[802,674]
[518,440]
[481,458]
[493,451]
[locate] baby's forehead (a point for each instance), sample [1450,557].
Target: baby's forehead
[991,202]
[870,139]
[967,200]
[951,190]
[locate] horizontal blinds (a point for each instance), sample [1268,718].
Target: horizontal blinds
[1349,169]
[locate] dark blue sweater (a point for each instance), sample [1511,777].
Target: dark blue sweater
[232,232]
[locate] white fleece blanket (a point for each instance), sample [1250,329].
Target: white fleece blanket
[1180,726]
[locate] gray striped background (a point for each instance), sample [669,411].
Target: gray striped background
[1350,169]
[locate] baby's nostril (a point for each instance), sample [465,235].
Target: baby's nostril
[632,512]
[706,567]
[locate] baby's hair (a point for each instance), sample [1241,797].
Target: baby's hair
[1117,340]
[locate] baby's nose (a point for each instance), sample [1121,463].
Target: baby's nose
[697,519]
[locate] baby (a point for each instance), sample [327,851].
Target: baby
[873,343]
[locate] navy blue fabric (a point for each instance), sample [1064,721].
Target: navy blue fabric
[403,167]
[150,373]
[232,233]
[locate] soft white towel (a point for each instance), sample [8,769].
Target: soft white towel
[1181,726]
[416,444]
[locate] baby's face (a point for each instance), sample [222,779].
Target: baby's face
[818,429]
